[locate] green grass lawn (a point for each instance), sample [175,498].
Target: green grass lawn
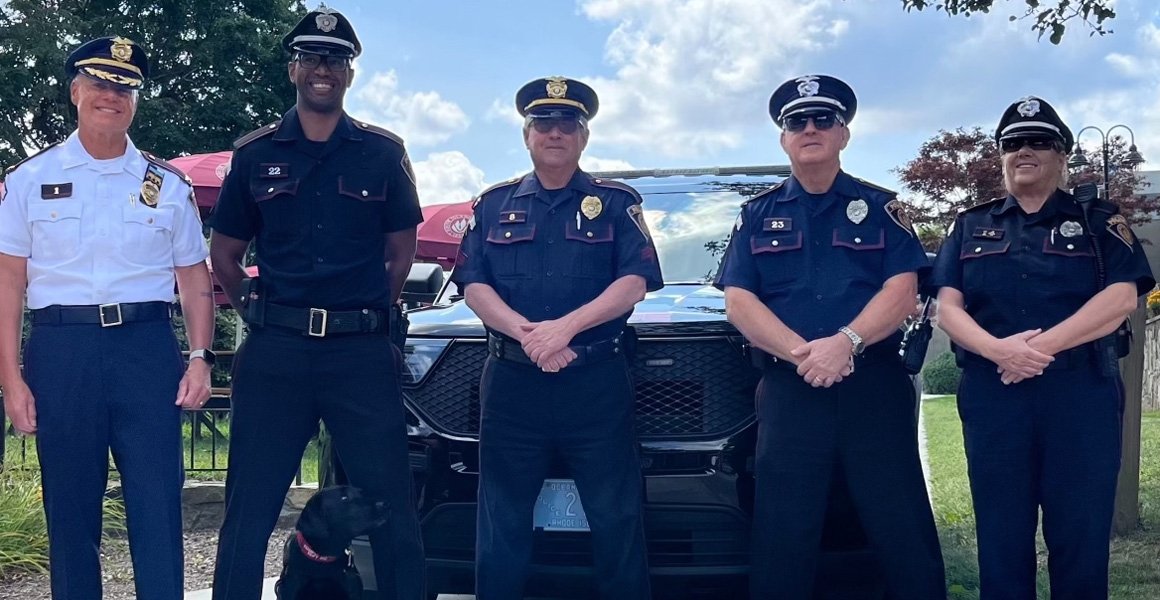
[1135,563]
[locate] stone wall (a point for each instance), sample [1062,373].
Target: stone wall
[1151,395]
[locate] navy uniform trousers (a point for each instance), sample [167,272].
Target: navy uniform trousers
[585,415]
[865,425]
[284,382]
[100,389]
[1050,441]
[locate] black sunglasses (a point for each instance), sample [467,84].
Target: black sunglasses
[822,121]
[1035,143]
[566,126]
[336,64]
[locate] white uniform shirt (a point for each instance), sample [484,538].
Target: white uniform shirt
[98,243]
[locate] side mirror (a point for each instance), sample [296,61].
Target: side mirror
[423,284]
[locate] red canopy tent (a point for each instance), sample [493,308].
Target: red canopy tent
[207,171]
[444,226]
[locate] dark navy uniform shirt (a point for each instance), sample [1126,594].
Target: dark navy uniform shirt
[546,258]
[318,211]
[816,260]
[1019,271]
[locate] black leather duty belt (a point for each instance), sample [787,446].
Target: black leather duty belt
[320,322]
[505,348]
[874,354]
[105,315]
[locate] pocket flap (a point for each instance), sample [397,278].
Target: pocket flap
[860,238]
[775,242]
[590,233]
[159,219]
[513,216]
[1068,246]
[367,189]
[977,248]
[54,211]
[266,190]
[512,233]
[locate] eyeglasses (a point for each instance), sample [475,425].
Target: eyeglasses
[1035,143]
[822,121]
[566,126]
[336,64]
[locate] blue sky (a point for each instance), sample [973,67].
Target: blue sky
[684,83]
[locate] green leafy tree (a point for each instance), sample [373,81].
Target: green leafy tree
[218,69]
[1047,16]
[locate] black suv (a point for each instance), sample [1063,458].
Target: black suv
[694,417]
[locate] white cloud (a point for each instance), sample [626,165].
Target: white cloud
[421,118]
[503,112]
[595,163]
[676,61]
[445,177]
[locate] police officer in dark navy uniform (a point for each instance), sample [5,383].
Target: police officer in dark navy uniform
[1033,290]
[553,263]
[96,232]
[330,204]
[818,276]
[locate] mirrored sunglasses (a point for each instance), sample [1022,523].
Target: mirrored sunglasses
[333,63]
[822,121]
[1035,143]
[567,126]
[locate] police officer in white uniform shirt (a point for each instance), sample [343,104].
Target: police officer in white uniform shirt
[95,232]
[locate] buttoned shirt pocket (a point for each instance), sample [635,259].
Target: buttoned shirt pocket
[779,257]
[985,262]
[510,249]
[147,234]
[590,249]
[864,250]
[276,200]
[361,200]
[1068,246]
[56,228]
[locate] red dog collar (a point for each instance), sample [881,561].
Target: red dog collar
[309,552]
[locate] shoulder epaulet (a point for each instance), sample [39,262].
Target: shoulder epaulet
[618,185]
[363,125]
[875,186]
[496,186]
[259,133]
[168,167]
[13,167]
[763,193]
[981,205]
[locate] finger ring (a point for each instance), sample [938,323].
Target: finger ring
[817,379]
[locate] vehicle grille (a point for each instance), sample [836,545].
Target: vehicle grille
[697,388]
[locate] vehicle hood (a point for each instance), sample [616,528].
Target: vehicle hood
[684,308]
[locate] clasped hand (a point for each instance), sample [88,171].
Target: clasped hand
[546,343]
[824,361]
[1017,359]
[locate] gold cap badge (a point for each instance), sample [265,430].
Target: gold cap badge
[557,87]
[122,49]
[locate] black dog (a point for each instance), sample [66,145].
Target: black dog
[316,563]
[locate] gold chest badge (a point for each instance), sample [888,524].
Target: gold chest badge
[591,207]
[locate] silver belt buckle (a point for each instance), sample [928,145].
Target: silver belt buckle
[318,319]
[110,310]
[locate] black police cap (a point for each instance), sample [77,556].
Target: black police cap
[117,60]
[1032,116]
[811,93]
[560,95]
[323,31]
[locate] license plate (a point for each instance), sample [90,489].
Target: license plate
[558,507]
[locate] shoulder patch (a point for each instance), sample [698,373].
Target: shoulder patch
[875,186]
[364,126]
[168,167]
[617,185]
[765,192]
[256,134]
[46,149]
[636,213]
[899,212]
[1118,226]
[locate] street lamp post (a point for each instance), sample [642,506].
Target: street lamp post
[1131,160]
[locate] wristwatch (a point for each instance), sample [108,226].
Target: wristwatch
[205,354]
[855,339]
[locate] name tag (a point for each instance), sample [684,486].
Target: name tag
[777,224]
[54,191]
[988,233]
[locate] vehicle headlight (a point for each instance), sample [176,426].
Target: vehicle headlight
[419,355]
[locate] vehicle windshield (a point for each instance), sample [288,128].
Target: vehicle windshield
[690,219]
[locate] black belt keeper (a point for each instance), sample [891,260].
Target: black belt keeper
[105,315]
[505,348]
[871,355]
[320,322]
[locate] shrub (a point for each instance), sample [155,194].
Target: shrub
[941,375]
